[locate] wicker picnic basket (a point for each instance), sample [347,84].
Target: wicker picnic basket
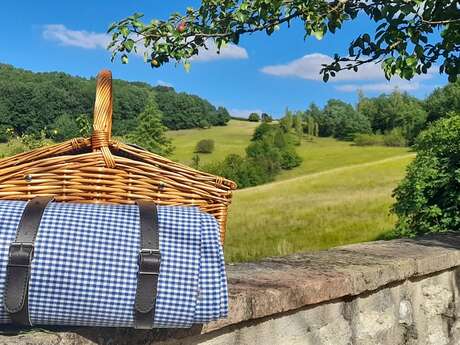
[102,170]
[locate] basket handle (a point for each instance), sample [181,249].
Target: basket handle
[102,122]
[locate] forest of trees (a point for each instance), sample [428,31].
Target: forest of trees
[394,119]
[31,103]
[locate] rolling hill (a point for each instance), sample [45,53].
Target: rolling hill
[340,194]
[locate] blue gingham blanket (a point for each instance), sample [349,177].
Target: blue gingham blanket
[84,271]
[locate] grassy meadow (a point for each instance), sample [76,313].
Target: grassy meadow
[315,211]
[232,138]
[340,194]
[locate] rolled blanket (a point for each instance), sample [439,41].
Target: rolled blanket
[85,265]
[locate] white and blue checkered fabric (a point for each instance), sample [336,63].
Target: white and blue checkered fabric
[84,271]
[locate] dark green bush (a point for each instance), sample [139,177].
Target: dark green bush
[245,172]
[4,136]
[395,138]
[270,150]
[428,199]
[266,155]
[261,130]
[368,139]
[266,118]
[254,117]
[289,158]
[205,146]
[65,127]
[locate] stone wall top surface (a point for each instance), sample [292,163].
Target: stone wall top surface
[281,284]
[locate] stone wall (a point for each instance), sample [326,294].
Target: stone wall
[395,292]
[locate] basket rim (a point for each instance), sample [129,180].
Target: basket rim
[72,147]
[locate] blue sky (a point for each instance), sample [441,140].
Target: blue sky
[262,74]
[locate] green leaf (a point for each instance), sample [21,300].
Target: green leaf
[124,59]
[124,31]
[318,34]
[129,44]
[187,66]
[411,60]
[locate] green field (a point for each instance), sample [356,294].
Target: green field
[340,194]
[318,155]
[228,139]
[313,212]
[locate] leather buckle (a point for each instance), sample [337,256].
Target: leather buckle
[149,261]
[20,254]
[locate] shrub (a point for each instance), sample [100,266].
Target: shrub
[245,172]
[293,139]
[204,124]
[261,130]
[264,153]
[4,136]
[289,158]
[196,161]
[271,150]
[65,127]
[254,117]
[395,138]
[427,200]
[266,118]
[368,139]
[205,146]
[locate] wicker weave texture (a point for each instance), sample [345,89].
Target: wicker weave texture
[102,170]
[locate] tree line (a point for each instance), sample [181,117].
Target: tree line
[394,119]
[31,103]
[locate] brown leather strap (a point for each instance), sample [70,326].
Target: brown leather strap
[19,261]
[149,265]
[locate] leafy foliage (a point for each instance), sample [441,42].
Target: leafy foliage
[266,117]
[443,101]
[271,150]
[395,138]
[406,37]
[205,146]
[65,127]
[364,139]
[32,102]
[150,133]
[181,110]
[340,120]
[22,143]
[254,117]
[396,110]
[4,137]
[427,200]
[239,169]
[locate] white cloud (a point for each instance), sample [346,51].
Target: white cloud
[230,52]
[164,83]
[75,38]
[94,40]
[386,87]
[309,66]
[244,113]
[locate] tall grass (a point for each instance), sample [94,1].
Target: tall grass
[313,212]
